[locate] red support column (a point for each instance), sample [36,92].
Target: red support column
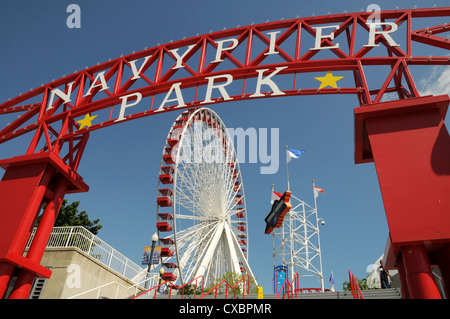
[410,146]
[22,190]
[420,279]
[29,181]
[25,279]
[6,271]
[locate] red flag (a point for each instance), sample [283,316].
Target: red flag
[275,196]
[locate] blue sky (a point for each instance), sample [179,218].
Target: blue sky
[121,163]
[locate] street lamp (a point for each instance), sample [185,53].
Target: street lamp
[150,259]
[161,274]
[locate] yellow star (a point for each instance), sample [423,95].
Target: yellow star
[328,80]
[87,121]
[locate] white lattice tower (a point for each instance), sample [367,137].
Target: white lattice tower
[296,244]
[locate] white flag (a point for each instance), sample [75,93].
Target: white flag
[317,190]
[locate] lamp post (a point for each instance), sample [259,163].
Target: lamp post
[161,273]
[150,259]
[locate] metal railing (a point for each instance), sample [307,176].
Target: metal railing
[354,286]
[291,290]
[131,291]
[236,287]
[226,289]
[81,238]
[170,286]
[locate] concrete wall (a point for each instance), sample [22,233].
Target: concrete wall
[74,272]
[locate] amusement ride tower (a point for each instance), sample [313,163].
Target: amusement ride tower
[296,244]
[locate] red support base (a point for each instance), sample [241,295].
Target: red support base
[30,181]
[410,145]
[420,279]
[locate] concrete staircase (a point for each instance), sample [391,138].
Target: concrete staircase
[392,293]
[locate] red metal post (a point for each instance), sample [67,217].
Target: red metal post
[28,182]
[410,145]
[37,248]
[420,279]
[22,190]
[6,270]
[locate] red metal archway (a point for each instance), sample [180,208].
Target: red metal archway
[402,136]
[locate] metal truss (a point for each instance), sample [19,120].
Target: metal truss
[297,243]
[188,67]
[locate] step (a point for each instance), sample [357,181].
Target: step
[392,293]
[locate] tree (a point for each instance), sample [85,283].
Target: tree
[70,216]
[361,282]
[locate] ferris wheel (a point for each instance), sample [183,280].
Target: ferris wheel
[201,212]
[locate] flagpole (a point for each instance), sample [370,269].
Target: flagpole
[318,236]
[287,169]
[315,197]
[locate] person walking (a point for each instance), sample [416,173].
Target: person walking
[385,278]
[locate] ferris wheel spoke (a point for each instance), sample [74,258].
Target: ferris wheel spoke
[195,234]
[188,185]
[196,248]
[200,243]
[188,204]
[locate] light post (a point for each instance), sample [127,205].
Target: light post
[161,273]
[150,258]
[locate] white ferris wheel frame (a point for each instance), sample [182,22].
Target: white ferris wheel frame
[222,240]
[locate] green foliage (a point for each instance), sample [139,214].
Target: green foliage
[190,289]
[361,282]
[70,216]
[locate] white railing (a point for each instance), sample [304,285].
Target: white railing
[81,238]
[119,288]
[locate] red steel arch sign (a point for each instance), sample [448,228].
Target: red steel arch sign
[230,65]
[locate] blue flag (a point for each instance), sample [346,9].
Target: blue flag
[291,153]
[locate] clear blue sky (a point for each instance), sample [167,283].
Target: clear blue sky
[121,163]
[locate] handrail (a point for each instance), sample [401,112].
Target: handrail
[119,285]
[216,287]
[354,286]
[81,238]
[172,286]
[156,290]
[148,290]
[243,288]
[285,287]
[195,290]
[293,288]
